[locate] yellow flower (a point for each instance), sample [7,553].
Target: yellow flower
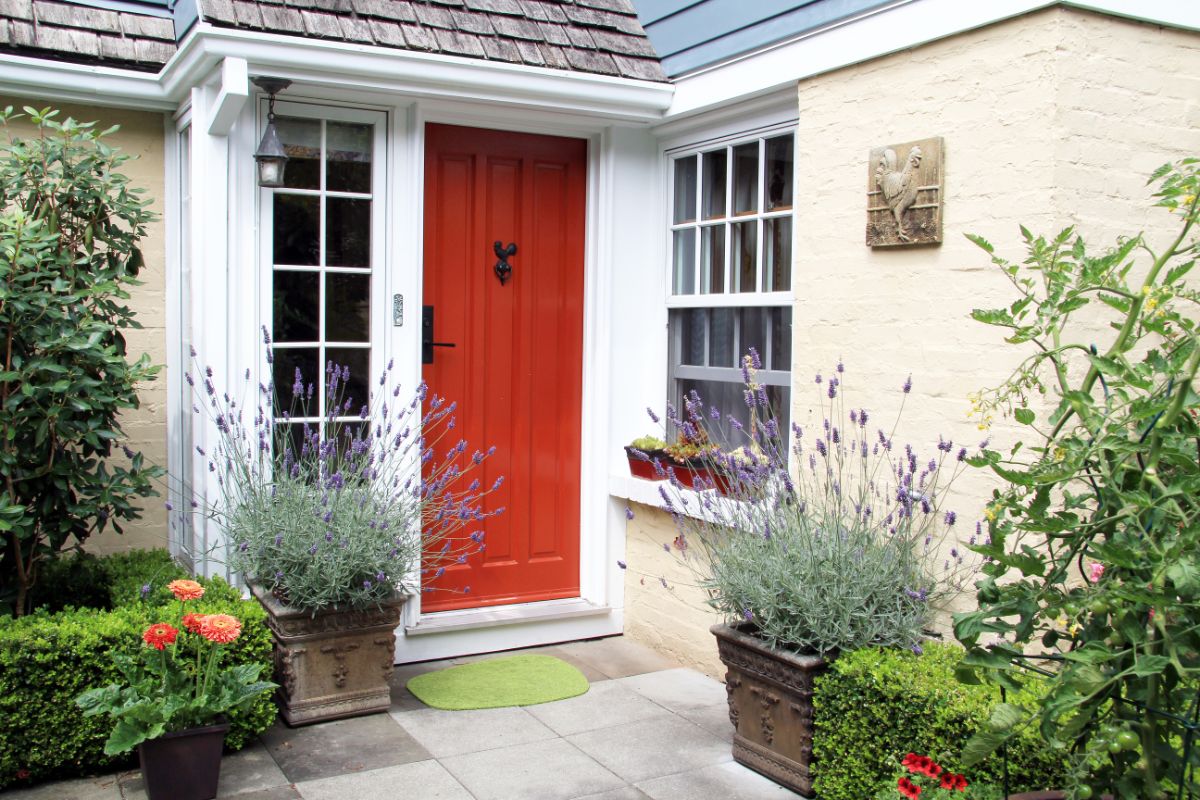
[1059,454]
[991,513]
[1145,291]
[1151,304]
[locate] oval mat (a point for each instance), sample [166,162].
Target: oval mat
[524,680]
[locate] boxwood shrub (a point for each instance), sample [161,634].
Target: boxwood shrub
[49,657]
[876,704]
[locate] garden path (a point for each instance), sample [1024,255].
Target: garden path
[646,729]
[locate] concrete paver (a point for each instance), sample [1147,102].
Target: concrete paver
[645,730]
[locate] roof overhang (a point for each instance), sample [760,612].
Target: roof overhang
[902,25]
[339,65]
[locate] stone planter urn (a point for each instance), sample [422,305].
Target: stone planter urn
[770,705]
[332,665]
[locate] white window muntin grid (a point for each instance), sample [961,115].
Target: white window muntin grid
[693,296]
[325,115]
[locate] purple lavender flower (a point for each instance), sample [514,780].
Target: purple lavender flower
[962,454]
[908,384]
[951,518]
[145,590]
[312,551]
[278,539]
[832,392]
[916,648]
[654,417]
[628,512]
[747,615]
[622,565]
[819,378]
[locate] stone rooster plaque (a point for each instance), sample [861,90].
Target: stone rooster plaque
[904,194]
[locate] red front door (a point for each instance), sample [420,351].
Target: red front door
[515,369]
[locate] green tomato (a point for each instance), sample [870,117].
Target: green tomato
[1050,638]
[1071,609]
[1083,792]
[1114,747]
[1128,740]
[1098,607]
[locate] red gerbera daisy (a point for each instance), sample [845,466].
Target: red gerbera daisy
[192,622]
[159,635]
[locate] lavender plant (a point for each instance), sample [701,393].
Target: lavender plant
[835,549]
[330,512]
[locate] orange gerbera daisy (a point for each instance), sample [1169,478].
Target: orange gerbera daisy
[220,628]
[193,621]
[159,635]
[186,589]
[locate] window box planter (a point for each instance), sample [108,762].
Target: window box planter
[645,469]
[770,705]
[333,664]
[696,474]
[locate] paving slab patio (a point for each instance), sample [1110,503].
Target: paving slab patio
[647,729]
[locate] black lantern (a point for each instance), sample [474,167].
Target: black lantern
[270,155]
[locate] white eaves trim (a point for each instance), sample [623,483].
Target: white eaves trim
[905,24]
[342,66]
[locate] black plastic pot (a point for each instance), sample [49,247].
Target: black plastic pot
[185,765]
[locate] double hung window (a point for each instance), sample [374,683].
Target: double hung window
[731,270]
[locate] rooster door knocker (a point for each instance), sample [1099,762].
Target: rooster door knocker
[899,188]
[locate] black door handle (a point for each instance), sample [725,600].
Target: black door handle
[427,342]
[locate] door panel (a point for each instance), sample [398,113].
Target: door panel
[516,369]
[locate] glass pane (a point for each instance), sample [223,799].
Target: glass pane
[715,178]
[781,339]
[348,157]
[290,437]
[296,230]
[777,254]
[294,306]
[753,331]
[287,360]
[712,259]
[352,394]
[744,254]
[721,351]
[302,142]
[347,307]
[685,262]
[692,327]
[745,178]
[685,190]
[347,232]
[729,399]
[779,173]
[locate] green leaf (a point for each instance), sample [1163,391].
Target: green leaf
[1000,728]
[1024,416]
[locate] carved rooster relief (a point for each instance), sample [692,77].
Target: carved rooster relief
[899,188]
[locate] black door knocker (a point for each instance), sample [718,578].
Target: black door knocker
[503,268]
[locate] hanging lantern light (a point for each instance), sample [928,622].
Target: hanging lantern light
[270,155]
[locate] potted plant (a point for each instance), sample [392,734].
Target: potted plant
[691,458]
[334,523]
[171,704]
[820,547]
[1092,585]
[642,453]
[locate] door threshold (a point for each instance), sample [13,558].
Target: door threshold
[497,616]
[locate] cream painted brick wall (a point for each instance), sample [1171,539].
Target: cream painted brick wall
[141,135]
[1051,119]
[672,619]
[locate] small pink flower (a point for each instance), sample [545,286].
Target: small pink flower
[1097,571]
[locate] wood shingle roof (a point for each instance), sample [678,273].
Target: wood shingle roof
[599,36]
[74,32]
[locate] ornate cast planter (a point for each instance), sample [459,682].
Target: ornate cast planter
[770,706]
[332,665]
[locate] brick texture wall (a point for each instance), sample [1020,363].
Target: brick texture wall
[141,135]
[1051,119]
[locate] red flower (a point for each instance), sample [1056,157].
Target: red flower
[908,788]
[192,622]
[952,780]
[22,774]
[159,635]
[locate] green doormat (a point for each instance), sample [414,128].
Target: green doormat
[499,682]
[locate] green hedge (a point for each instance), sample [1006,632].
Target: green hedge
[876,704]
[48,658]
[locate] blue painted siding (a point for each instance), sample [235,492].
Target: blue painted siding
[691,34]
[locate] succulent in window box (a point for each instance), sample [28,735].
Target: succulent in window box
[691,458]
[642,453]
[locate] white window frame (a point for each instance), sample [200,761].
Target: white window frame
[380,320]
[677,371]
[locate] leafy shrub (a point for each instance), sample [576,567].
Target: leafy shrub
[70,223]
[86,581]
[48,659]
[874,705]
